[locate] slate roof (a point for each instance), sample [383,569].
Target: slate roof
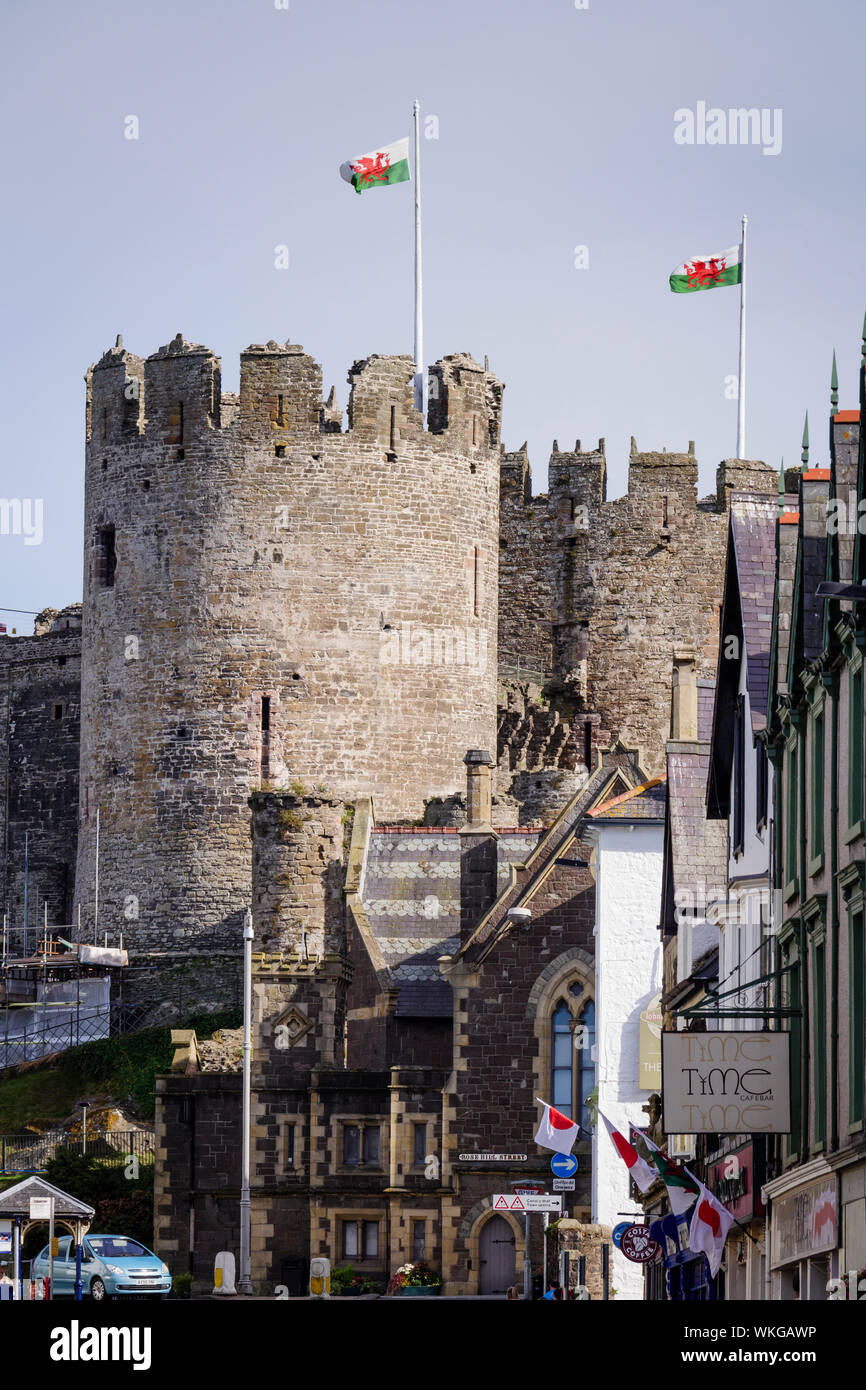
[646,802]
[412,899]
[753,527]
[698,846]
[15,1201]
[706,701]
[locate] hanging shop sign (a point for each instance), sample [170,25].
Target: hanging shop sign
[726,1083]
[650,1046]
[637,1245]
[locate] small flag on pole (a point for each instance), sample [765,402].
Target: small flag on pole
[389,164]
[640,1171]
[709,1229]
[708,272]
[556,1131]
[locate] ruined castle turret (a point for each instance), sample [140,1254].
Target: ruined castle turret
[271,600]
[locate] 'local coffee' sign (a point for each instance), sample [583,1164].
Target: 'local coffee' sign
[726,1083]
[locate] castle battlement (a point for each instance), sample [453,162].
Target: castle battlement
[174,398]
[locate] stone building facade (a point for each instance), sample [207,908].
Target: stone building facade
[40,691]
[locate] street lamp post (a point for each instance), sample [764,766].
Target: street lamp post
[244,1281]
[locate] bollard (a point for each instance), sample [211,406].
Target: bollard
[224,1273]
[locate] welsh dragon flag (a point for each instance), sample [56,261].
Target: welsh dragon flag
[640,1171]
[388,164]
[708,272]
[682,1189]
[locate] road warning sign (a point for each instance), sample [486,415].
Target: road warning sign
[526,1201]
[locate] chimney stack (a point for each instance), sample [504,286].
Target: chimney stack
[684,697]
[478,844]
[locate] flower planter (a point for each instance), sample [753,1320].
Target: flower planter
[419,1290]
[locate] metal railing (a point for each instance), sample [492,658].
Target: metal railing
[30,1153]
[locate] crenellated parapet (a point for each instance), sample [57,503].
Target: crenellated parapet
[596,592]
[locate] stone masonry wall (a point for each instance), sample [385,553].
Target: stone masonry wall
[39,748]
[266,600]
[595,594]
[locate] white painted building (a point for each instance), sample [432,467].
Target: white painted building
[629,841]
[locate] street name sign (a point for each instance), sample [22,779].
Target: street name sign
[491,1158]
[535,1201]
[564,1184]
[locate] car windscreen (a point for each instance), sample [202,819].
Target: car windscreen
[117,1248]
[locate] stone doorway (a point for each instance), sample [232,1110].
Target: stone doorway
[496,1256]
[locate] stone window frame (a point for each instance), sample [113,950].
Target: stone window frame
[573,966]
[789,955]
[790,822]
[339,1124]
[341,1217]
[855,750]
[295,1123]
[852,881]
[410,1216]
[428,1119]
[814,914]
[816,827]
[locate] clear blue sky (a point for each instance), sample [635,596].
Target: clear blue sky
[555,130]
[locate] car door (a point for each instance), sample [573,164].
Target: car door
[64,1269]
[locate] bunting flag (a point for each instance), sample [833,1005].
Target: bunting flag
[709,1229]
[643,1175]
[556,1131]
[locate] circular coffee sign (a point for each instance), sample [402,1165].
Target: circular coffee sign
[638,1245]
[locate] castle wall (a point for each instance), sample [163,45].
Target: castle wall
[39,748]
[596,593]
[276,601]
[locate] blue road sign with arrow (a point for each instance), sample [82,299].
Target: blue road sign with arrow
[564,1165]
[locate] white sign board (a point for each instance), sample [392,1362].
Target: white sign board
[5,1237]
[564,1184]
[726,1083]
[491,1158]
[40,1208]
[515,1201]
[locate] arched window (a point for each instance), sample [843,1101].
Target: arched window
[585,1038]
[562,1055]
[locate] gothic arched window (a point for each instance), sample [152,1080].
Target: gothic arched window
[562,1054]
[585,1039]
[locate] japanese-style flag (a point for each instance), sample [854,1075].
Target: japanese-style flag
[556,1131]
[644,1176]
[709,1229]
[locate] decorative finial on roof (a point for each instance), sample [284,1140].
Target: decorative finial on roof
[555,448]
[119,341]
[782,487]
[804,457]
[834,387]
[863,347]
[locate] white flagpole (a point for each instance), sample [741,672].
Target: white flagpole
[420,383]
[741,386]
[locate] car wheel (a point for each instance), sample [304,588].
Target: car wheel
[97,1289]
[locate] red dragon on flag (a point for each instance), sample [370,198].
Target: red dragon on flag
[705,273]
[373,168]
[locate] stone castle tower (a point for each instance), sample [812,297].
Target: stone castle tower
[264,595]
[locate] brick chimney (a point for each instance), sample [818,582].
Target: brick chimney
[684,697]
[478,844]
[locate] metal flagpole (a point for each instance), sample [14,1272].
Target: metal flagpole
[420,383]
[741,384]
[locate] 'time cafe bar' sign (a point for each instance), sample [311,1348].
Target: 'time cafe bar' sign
[726,1083]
